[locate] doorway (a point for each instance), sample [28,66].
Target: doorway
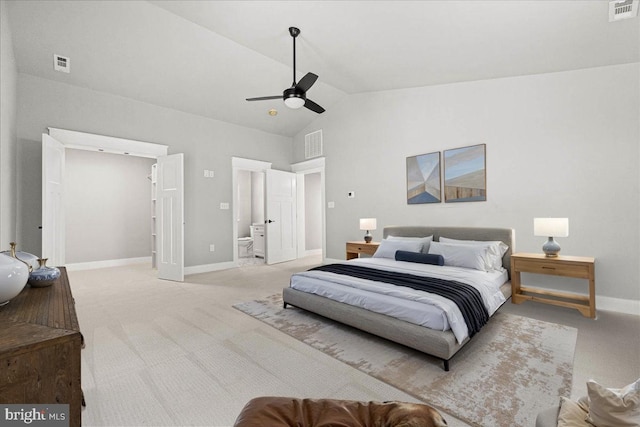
[53,188]
[249,199]
[247,181]
[309,233]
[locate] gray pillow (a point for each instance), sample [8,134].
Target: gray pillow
[388,247]
[425,241]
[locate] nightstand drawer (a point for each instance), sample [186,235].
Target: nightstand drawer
[362,248]
[355,249]
[554,268]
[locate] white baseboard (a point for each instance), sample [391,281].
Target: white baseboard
[78,266]
[618,305]
[206,268]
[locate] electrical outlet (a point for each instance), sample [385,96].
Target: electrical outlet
[212,248]
[224,205]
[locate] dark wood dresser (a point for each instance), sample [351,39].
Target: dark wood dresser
[40,344]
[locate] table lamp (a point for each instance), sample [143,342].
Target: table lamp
[368,224]
[551,227]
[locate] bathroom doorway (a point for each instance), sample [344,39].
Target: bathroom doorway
[250,217]
[249,212]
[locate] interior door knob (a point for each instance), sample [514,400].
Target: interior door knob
[270,221]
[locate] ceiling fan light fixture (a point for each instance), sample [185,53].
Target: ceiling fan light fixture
[294,102]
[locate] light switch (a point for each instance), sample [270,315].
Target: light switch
[351,194]
[224,205]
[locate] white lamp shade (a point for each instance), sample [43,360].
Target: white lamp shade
[551,227]
[294,102]
[368,224]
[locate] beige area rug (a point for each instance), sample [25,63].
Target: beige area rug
[512,369]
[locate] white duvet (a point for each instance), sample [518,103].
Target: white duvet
[418,307]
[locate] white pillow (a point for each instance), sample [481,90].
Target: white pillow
[388,248]
[497,249]
[614,407]
[467,256]
[426,241]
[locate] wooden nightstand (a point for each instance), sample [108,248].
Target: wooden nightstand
[567,266]
[354,249]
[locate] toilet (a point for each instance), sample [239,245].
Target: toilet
[245,245]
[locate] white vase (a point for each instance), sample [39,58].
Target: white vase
[30,259]
[13,277]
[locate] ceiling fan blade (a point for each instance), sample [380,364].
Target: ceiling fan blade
[307,81]
[264,98]
[313,106]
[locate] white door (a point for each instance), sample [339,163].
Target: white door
[170,217]
[53,225]
[280,214]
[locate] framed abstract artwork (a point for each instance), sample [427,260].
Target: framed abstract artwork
[423,179]
[465,178]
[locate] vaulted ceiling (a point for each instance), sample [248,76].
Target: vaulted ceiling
[206,57]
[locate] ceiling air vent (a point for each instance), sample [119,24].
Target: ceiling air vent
[61,63]
[313,144]
[622,9]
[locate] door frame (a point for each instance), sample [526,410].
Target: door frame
[238,164]
[107,144]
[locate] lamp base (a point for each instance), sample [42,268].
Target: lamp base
[368,237]
[551,248]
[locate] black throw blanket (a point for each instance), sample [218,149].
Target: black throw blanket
[466,297]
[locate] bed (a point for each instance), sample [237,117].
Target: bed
[428,323]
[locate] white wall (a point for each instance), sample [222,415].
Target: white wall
[250,200]
[244,203]
[206,143]
[257,197]
[107,206]
[8,133]
[562,144]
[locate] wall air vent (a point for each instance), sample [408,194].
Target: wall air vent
[622,9]
[61,63]
[313,144]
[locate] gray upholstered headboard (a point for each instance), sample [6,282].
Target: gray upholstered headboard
[506,235]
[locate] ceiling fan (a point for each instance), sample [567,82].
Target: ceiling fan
[296,96]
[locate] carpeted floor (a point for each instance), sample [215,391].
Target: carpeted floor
[164,353]
[515,367]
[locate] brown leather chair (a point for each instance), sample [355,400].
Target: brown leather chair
[270,411]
